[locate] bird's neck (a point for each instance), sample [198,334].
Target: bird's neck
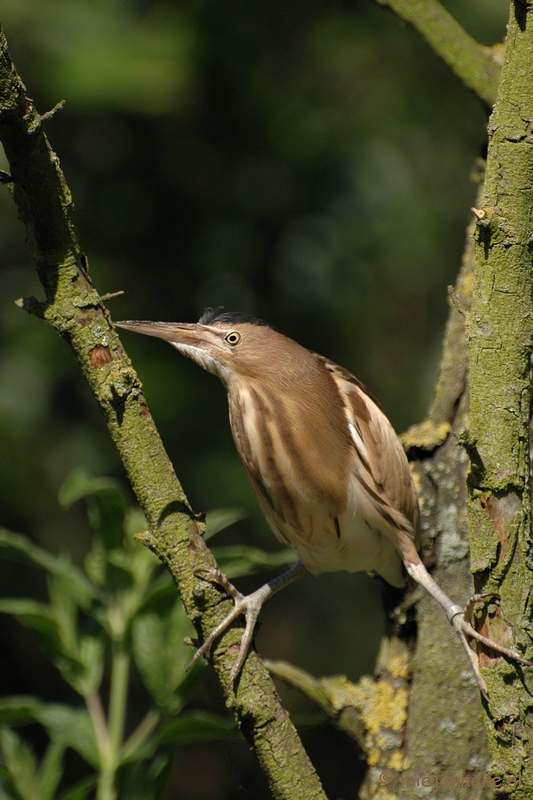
[266,420]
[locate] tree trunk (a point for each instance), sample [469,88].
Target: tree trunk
[500,326]
[436,741]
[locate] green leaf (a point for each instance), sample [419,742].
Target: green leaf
[18,710]
[63,610]
[79,661]
[77,485]
[80,656]
[50,770]
[160,654]
[160,595]
[199,727]
[135,523]
[71,727]
[19,548]
[84,671]
[20,764]
[66,725]
[38,617]
[80,790]
[95,562]
[4,779]
[106,501]
[146,780]
[238,560]
[219,518]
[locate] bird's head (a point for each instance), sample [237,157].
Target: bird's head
[230,345]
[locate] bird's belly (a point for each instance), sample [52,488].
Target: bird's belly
[358,551]
[330,544]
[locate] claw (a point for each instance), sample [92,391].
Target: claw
[248,605]
[461,618]
[468,630]
[460,621]
[474,600]
[474,663]
[215,576]
[464,629]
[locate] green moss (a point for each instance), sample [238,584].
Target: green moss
[499,331]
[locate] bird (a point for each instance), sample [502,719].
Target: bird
[324,463]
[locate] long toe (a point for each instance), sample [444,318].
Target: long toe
[248,606]
[246,641]
[216,576]
[215,633]
[474,663]
[461,624]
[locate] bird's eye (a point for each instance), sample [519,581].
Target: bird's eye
[233,338]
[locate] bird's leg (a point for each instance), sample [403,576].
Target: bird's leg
[247,605]
[463,628]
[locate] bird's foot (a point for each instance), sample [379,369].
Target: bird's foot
[460,620]
[247,605]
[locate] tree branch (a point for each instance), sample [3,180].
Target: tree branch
[476,65]
[74,309]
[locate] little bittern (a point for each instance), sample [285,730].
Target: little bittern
[323,460]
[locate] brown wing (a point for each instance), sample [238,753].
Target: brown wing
[382,467]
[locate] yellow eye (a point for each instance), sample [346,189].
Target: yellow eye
[233,338]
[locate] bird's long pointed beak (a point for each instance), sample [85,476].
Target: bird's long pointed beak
[178,332]
[198,342]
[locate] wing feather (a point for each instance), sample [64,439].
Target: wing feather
[381,469]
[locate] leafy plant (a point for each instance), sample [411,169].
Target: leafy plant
[122,608]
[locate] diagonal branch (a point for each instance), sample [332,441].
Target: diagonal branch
[76,312]
[476,65]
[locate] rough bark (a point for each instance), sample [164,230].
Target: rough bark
[445,740]
[500,326]
[75,311]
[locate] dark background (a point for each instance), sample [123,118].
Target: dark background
[306,162]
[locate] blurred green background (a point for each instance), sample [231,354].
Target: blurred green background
[306,162]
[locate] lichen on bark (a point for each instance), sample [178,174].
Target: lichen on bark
[500,327]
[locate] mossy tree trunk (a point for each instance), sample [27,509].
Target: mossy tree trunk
[496,438]
[500,328]
[472,467]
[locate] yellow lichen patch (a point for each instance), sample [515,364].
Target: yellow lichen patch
[399,666]
[415,476]
[381,704]
[342,693]
[426,435]
[382,740]
[397,761]
[388,709]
